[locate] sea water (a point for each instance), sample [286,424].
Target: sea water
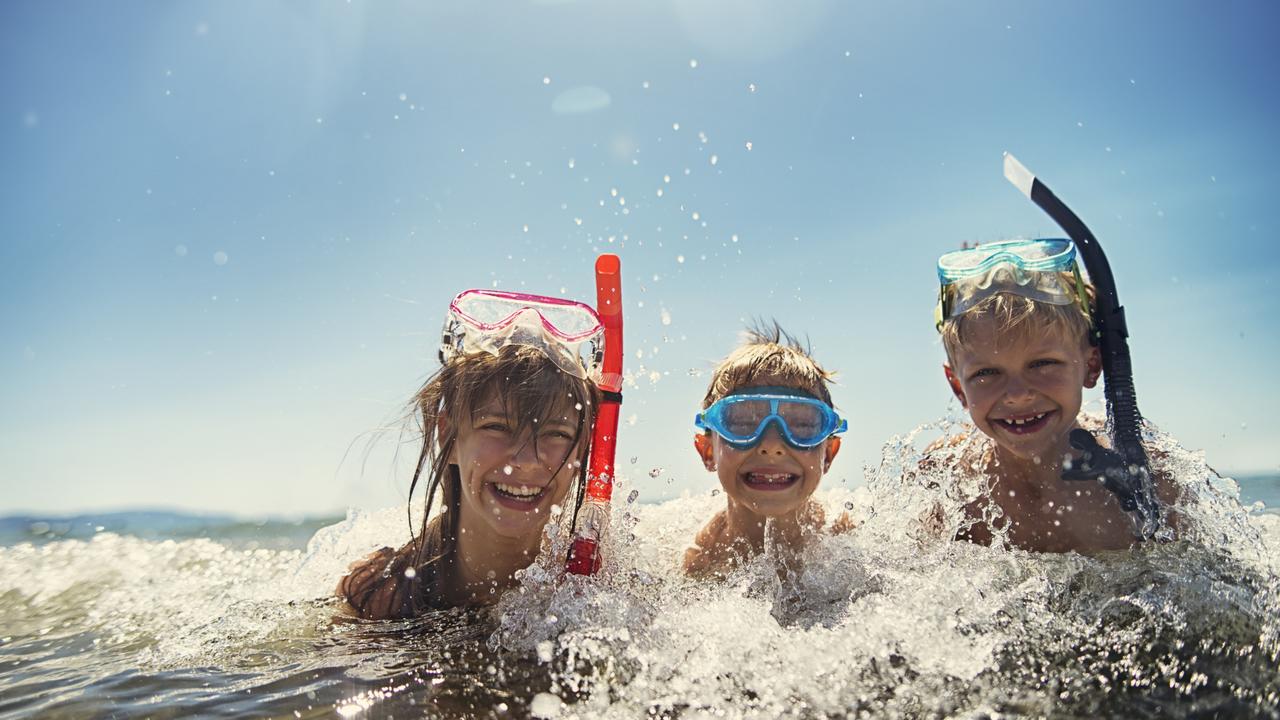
[219,618]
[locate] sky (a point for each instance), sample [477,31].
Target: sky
[230,230]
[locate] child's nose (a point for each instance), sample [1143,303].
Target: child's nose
[524,453]
[771,443]
[1016,388]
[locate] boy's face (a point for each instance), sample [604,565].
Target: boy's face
[1023,389]
[771,478]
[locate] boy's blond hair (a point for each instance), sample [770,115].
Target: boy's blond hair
[769,351]
[1015,314]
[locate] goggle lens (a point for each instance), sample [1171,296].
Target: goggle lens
[567,332]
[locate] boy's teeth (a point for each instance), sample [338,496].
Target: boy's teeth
[518,490]
[770,477]
[1024,421]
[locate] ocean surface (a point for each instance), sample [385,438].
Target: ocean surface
[158,614]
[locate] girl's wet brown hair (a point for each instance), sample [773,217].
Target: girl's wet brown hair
[531,390]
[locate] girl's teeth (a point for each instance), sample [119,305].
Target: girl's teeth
[519,490]
[770,477]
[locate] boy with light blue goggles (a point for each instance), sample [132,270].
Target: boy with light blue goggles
[742,419]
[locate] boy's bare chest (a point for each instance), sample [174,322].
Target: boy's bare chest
[1062,519]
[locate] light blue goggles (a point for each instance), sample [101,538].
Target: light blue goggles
[1043,270]
[804,422]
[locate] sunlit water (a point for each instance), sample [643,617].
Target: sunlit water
[889,621]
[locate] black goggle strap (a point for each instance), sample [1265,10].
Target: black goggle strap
[942,310]
[1082,299]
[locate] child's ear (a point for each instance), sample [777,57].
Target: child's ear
[1094,367]
[954,382]
[833,447]
[706,450]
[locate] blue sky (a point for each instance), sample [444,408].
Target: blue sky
[231,229]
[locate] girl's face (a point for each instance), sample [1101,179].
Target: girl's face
[510,481]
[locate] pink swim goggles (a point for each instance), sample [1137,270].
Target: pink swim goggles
[567,332]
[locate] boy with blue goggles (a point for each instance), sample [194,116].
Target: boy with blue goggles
[768,432]
[741,419]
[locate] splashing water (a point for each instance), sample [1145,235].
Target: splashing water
[889,620]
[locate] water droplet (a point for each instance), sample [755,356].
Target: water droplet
[220,258]
[655,472]
[680,259]
[645,84]
[734,238]
[180,251]
[577,406]
[848,505]
[715,492]
[675,126]
[410,573]
[506,469]
[631,496]
[715,159]
[572,162]
[666,317]
[693,63]
[546,79]
[748,145]
[751,87]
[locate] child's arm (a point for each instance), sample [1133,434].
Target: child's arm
[376,588]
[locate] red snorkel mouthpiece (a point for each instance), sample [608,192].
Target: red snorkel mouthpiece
[593,519]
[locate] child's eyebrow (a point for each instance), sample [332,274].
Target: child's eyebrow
[491,410]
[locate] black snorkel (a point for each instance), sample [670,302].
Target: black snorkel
[1123,470]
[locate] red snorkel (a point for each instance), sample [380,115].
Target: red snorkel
[584,553]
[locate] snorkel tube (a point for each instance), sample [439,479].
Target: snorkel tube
[584,553]
[1123,470]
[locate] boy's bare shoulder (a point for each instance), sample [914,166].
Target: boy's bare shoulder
[844,524]
[710,553]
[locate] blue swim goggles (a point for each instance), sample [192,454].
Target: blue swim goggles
[804,422]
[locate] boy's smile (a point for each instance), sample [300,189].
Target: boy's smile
[1023,389]
[769,479]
